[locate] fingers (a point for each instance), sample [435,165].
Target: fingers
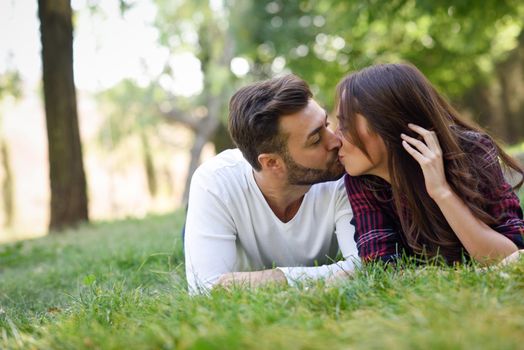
[429,156]
[339,277]
[430,137]
[231,279]
[414,153]
[419,145]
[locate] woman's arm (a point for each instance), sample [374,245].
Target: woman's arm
[483,243]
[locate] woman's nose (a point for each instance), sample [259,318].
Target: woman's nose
[338,133]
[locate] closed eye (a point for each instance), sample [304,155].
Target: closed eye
[318,134]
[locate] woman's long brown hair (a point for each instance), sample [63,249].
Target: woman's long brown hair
[390,96]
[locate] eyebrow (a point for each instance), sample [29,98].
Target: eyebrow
[317,130]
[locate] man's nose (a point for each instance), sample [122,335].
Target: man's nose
[333,140]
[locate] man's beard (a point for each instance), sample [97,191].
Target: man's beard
[301,175]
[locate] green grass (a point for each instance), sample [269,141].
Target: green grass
[121,285]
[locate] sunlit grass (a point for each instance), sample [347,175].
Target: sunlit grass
[121,286]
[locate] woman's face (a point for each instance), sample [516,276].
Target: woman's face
[355,161]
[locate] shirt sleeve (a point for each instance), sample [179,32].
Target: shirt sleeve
[504,205]
[344,232]
[209,246]
[376,235]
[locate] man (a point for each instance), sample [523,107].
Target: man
[272,202]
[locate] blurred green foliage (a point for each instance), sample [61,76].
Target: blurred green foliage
[129,109]
[10,83]
[456,44]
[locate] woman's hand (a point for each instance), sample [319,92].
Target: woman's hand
[482,243]
[429,156]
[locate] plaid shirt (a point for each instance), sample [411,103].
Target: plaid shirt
[378,232]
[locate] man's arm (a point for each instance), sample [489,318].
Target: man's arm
[210,249]
[252,279]
[344,231]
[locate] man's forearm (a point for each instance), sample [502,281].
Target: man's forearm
[252,279]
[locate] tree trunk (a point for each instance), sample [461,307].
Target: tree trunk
[205,128]
[498,105]
[149,165]
[7,186]
[511,77]
[66,170]
[221,138]
[202,136]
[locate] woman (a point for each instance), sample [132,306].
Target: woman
[422,181]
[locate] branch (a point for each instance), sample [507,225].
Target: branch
[179,116]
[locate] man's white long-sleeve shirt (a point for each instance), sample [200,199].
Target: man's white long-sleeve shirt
[230,227]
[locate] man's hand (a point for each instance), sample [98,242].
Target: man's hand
[252,279]
[512,258]
[339,276]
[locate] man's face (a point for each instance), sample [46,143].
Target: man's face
[312,149]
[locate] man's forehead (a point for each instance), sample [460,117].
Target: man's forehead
[302,123]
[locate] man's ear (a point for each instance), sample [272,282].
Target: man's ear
[270,161]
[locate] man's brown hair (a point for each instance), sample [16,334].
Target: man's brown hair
[255,111]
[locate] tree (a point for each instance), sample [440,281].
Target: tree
[66,169]
[215,49]
[134,111]
[131,112]
[498,103]
[458,45]
[10,82]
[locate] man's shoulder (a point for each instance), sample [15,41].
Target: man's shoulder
[230,160]
[224,180]
[228,167]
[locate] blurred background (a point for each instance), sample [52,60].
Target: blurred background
[107,107]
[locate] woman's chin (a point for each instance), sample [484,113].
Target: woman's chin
[352,172]
[350,168]
[357,171]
